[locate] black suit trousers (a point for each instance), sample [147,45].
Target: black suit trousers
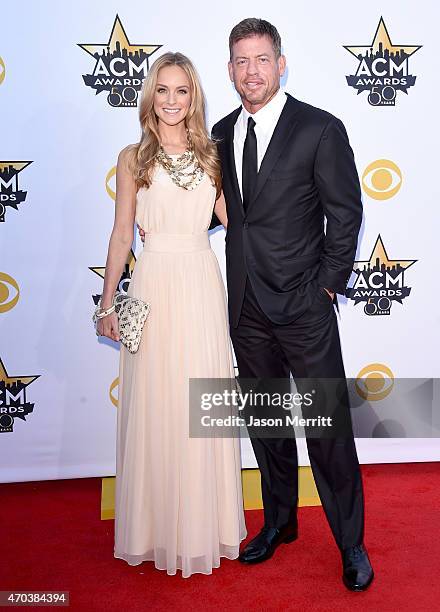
[307,347]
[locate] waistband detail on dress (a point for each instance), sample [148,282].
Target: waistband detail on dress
[176,243]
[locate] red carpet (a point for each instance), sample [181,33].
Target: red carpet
[53,539]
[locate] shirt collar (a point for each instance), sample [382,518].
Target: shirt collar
[268,114]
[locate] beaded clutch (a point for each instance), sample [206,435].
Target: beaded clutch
[132,314]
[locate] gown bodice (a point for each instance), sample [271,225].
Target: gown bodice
[164,207]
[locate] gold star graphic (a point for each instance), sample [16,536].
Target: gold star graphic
[118,35]
[379,253]
[383,37]
[131,260]
[16,165]
[12,380]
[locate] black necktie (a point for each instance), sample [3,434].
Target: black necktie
[250,164]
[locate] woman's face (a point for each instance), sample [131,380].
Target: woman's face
[172,97]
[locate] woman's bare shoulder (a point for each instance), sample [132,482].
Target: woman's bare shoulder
[127,151]
[126,159]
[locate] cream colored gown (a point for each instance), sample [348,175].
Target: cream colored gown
[178,499]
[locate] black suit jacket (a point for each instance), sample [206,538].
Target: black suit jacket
[307,173]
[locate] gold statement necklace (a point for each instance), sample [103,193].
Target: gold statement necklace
[185,171]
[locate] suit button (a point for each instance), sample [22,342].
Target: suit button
[245,225]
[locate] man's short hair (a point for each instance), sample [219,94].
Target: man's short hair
[255,27]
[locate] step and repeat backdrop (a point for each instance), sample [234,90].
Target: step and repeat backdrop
[70,77]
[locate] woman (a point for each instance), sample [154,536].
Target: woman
[178,499]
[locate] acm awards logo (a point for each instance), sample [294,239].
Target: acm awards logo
[13,401]
[383,68]
[120,67]
[125,279]
[10,193]
[380,281]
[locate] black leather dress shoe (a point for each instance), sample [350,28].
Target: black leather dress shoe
[266,542]
[358,573]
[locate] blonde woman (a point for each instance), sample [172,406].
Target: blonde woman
[178,499]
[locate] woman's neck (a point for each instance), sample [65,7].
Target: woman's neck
[173,137]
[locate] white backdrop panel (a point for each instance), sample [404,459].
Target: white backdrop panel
[73,138]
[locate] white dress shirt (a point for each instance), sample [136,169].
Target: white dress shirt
[265,121]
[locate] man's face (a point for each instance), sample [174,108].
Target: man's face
[255,71]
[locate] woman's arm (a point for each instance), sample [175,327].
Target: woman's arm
[121,238]
[220,210]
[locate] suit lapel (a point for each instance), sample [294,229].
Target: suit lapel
[230,157]
[281,135]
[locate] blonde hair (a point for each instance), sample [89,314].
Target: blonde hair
[141,156]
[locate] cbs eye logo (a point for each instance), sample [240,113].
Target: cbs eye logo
[382,179]
[8,287]
[374,382]
[2,71]
[110,183]
[114,396]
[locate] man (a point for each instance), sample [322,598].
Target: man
[286,165]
